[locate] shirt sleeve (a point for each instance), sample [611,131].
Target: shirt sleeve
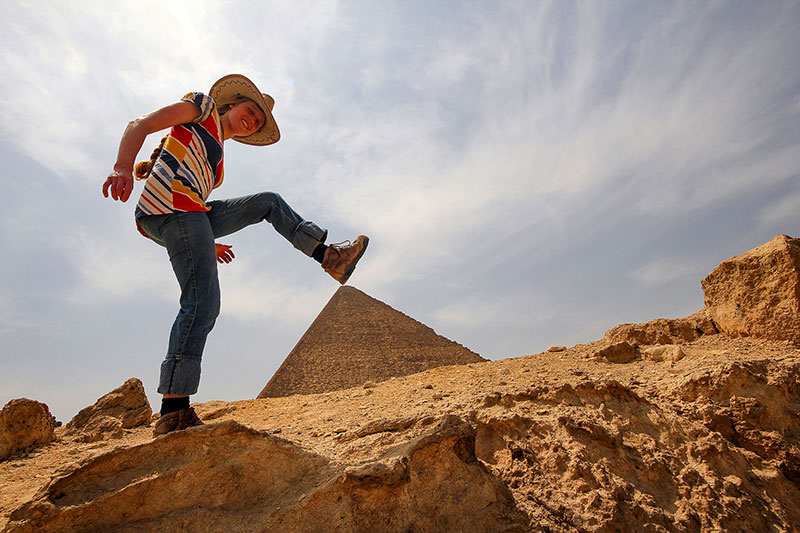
[203,102]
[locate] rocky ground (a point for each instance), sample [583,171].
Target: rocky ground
[708,442]
[688,424]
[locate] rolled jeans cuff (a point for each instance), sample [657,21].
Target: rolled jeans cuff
[307,236]
[180,375]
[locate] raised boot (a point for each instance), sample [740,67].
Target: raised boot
[341,258]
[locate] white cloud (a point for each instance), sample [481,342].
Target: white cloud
[11,319]
[124,268]
[782,213]
[255,294]
[448,65]
[526,308]
[83,69]
[662,270]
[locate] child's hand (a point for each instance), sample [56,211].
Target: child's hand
[224,253]
[121,184]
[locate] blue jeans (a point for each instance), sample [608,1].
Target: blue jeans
[189,240]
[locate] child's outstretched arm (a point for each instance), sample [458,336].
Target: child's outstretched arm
[120,180]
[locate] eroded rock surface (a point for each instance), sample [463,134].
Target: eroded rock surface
[668,352]
[664,330]
[757,293]
[123,408]
[705,443]
[227,477]
[24,423]
[618,352]
[604,457]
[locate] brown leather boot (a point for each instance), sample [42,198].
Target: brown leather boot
[175,421]
[341,258]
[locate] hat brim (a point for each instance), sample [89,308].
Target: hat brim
[230,89]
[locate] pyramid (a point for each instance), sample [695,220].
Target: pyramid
[356,339]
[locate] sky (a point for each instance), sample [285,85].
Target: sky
[529,173]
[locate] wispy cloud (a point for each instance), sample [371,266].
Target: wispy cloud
[512,162]
[782,213]
[481,310]
[117,270]
[662,270]
[252,296]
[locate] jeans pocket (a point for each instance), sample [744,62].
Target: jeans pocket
[152,225]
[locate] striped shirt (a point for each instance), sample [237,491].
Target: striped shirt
[189,166]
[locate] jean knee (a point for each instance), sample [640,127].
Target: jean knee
[270,199]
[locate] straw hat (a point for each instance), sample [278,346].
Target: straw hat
[231,89]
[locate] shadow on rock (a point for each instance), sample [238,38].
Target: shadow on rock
[228,477]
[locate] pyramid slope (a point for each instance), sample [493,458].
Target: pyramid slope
[356,339]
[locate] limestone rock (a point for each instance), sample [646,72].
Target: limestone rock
[620,352]
[757,293]
[622,462]
[227,477]
[101,427]
[663,330]
[669,352]
[709,444]
[24,423]
[123,408]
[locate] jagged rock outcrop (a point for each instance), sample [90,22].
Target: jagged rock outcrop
[227,477]
[123,408]
[25,423]
[757,293]
[668,352]
[664,330]
[618,352]
[718,452]
[754,406]
[357,339]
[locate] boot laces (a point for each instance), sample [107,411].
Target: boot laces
[343,244]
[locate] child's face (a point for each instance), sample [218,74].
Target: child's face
[245,118]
